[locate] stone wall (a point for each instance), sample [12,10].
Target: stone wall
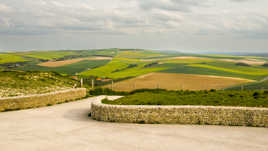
[39,100]
[212,115]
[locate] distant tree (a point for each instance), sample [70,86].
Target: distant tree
[242,64]
[265,65]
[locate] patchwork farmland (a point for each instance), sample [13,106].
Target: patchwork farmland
[137,68]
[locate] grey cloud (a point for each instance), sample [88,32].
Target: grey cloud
[239,0]
[171,5]
[134,18]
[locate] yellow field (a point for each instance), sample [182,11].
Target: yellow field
[71,61]
[172,81]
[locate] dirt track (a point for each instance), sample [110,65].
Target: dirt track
[66,127]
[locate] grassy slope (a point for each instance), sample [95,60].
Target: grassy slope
[15,83]
[218,98]
[11,58]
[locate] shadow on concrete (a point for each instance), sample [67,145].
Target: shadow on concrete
[78,115]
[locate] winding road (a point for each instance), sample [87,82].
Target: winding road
[66,127]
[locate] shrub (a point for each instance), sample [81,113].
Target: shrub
[242,64]
[105,91]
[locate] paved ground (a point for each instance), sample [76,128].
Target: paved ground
[66,127]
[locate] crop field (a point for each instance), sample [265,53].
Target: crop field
[171,81]
[71,61]
[186,69]
[121,68]
[47,55]
[138,54]
[234,69]
[11,58]
[70,69]
[223,57]
[188,60]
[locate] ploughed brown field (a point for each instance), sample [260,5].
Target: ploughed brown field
[71,61]
[173,81]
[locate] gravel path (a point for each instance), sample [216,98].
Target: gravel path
[66,127]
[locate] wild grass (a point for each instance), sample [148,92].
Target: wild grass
[17,83]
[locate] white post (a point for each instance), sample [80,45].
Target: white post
[112,84]
[92,83]
[81,82]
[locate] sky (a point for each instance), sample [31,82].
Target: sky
[183,25]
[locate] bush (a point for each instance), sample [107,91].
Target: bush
[242,64]
[106,91]
[265,65]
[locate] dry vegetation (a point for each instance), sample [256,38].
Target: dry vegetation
[71,61]
[19,83]
[172,81]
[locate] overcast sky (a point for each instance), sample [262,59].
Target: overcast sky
[184,25]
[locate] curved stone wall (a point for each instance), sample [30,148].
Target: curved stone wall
[212,115]
[39,100]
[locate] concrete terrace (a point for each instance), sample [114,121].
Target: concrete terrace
[67,127]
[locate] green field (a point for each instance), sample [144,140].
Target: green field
[138,54]
[11,58]
[260,85]
[48,55]
[253,71]
[67,69]
[208,98]
[187,69]
[121,68]
[222,56]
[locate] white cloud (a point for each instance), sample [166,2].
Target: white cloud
[209,18]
